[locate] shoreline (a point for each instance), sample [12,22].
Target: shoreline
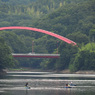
[2,72]
[66,71]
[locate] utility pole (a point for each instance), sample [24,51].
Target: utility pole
[57,47]
[32,46]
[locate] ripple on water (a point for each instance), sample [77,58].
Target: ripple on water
[46,82]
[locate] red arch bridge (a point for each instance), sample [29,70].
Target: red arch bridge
[33,55]
[42,31]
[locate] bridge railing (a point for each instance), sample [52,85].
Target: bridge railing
[36,55]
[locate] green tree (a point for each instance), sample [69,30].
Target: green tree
[13,41]
[66,54]
[85,58]
[78,37]
[6,59]
[92,35]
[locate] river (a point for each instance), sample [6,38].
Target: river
[46,83]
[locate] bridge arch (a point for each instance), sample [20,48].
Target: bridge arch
[42,31]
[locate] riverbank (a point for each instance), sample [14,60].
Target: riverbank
[2,72]
[66,71]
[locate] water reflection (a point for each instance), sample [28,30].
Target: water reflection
[44,83]
[26,92]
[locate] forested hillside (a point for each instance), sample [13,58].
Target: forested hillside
[74,19]
[16,2]
[25,15]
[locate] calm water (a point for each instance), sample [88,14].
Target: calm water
[46,83]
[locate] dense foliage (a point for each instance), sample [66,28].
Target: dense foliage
[85,58]
[6,59]
[15,2]
[74,19]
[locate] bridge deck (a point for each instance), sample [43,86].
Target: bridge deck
[37,55]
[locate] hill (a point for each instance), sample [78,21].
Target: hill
[72,18]
[75,21]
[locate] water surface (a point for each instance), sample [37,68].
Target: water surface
[46,83]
